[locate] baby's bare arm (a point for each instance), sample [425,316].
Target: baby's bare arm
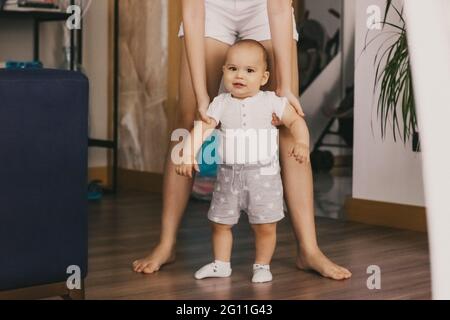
[197,136]
[192,146]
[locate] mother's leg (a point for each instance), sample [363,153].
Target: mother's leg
[298,189]
[177,189]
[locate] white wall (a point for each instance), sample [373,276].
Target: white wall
[95,61]
[429,37]
[15,40]
[382,170]
[16,43]
[348,42]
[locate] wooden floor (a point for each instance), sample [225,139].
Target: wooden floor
[124,228]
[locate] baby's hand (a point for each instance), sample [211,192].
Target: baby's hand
[187,167]
[300,151]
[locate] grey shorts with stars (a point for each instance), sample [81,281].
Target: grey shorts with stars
[247,188]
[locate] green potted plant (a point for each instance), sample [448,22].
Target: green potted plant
[393,77]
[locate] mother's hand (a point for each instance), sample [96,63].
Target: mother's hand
[293,100]
[202,108]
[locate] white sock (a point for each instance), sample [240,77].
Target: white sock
[261,273]
[217,269]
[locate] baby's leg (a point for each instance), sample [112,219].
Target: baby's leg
[265,242]
[222,239]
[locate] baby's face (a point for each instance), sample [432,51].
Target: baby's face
[245,71]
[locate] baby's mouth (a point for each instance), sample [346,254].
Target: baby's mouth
[239,85]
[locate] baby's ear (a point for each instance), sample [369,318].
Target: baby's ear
[265,78]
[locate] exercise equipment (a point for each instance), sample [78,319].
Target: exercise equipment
[323,160]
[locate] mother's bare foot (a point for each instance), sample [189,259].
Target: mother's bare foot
[318,262]
[160,256]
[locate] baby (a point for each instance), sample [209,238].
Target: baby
[250,183]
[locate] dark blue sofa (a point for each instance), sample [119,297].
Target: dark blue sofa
[43,175]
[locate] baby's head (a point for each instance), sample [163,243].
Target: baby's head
[246,69]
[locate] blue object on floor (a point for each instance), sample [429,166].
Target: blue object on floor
[204,181]
[95,191]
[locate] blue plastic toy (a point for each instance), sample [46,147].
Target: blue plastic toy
[208,170]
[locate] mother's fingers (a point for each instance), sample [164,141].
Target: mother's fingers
[299,109]
[204,117]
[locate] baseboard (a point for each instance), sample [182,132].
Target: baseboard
[132,180]
[386,214]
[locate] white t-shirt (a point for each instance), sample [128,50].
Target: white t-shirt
[247,135]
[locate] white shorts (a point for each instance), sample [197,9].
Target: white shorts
[232,20]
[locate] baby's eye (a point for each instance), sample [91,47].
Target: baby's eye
[232,68]
[250,70]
